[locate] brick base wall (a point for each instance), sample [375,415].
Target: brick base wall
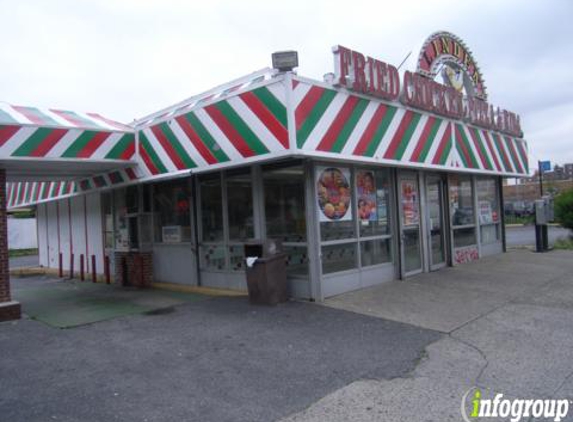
[134,268]
[8,309]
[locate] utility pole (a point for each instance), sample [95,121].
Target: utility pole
[540,172]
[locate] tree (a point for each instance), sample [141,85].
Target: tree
[564,209]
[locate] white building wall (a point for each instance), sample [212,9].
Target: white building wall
[71,226]
[65,247]
[53,243]
[22,233]
[79,232]
[95,230]
[42,235]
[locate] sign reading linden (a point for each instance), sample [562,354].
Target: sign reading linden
[460,96]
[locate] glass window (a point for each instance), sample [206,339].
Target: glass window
[240,206]
[121,223]
[107,209]
[132,199]
[373,196]
[338,258]
[488,201]
[375,252]
[284,203]
[172,201]
[461,200]
[211,208]
[488,210]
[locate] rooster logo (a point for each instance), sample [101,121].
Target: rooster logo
[453,77]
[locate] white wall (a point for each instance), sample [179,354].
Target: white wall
[42,234]
[22,233]
[71,226]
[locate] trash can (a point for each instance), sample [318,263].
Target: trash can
[266,272]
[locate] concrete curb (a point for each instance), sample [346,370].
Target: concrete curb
[181,288]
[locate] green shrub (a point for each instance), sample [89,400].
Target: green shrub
[564,209]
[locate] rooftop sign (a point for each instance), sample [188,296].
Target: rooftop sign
[460,95]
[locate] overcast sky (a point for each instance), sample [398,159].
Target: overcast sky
[128,58]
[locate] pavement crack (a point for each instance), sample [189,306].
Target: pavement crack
[567,378]
[481,353]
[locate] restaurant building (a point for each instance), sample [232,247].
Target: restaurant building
[371,175]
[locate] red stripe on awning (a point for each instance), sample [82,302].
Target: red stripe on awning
[423,139]
[307,104]
[48,143]
[128,152]
[443,142]
[147,160]
[476,143]
[6,132]
[93,144]
[337,125]
[491,150]
[268,118]
[406,120]
[195,139]
[168,148]
[230,132]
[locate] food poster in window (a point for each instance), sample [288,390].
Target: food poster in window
[333,194]
[410,206]
[366,194]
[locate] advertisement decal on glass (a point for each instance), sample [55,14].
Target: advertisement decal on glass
[333,194]
[366,193]
[410,209]
[485,213]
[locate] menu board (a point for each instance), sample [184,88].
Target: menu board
[334,194]
[410,202]
[366,193]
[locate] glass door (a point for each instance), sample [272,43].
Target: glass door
[410,228]
[435,221]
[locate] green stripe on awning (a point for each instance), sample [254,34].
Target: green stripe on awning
[314,116]
[121,145]
[30,144]
[240,126]
[271,102]
[430,141]
[349,125]
[206,138]
[79,144]
[152,154]
[189,163]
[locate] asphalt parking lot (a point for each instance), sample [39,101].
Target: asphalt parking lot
[214,359]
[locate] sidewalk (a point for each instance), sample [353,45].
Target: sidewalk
[508,321]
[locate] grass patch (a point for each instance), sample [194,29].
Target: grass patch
[511,219]
[13,253]
[564,243]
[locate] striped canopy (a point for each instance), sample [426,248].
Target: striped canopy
[264,116]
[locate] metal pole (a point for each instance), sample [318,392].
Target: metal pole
[94,274]
[540,172]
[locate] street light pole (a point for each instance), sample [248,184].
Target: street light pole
[540,172]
